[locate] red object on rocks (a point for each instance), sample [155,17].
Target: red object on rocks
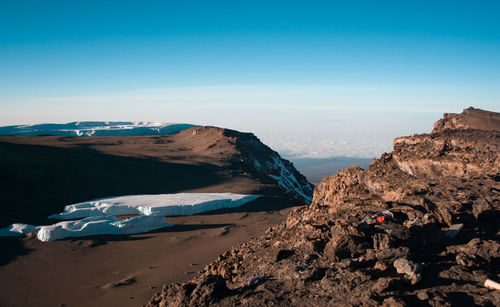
[383,216]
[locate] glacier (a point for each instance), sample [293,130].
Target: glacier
[100,225]
[17,229]
[159,204]
[99,216]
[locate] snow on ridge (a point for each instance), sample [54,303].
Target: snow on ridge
[99,216]
[287,180]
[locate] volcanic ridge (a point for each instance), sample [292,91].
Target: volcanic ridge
[54,171]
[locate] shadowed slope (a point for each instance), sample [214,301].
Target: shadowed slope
[37,181]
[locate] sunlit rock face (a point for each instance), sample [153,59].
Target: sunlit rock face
[461,145]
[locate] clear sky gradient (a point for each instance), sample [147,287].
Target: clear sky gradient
[311,78]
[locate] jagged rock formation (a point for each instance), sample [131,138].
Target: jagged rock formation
[437,249]
[461,145]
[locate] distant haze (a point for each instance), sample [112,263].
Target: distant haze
[316,169]
[299,133]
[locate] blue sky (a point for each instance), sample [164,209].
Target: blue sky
[215,62]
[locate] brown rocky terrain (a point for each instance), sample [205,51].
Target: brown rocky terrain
[39,175]
[436,244]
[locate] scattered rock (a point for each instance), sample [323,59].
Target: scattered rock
[392,253]
[383,285]
[333,252]
[308,273]
[490,284]
[423,296]
[381,241]
[225,231]
[123,282]
[405,266]
[380,265]
[396,230]
[256,280]
[453,230]
[482,209]
[343,245]
[393,302]
[466,260]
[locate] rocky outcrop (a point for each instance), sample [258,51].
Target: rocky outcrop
[469,119]
[453,153]
[414,228]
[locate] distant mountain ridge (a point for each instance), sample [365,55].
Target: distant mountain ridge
[247,152]
[96,128]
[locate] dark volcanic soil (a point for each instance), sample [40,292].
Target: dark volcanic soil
[91,271]
[438,244]
[40,175]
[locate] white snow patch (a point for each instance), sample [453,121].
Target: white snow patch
[161,204]
[17,229]
[99,215]
[101,225]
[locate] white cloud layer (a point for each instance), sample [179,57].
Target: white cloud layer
[297,121]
